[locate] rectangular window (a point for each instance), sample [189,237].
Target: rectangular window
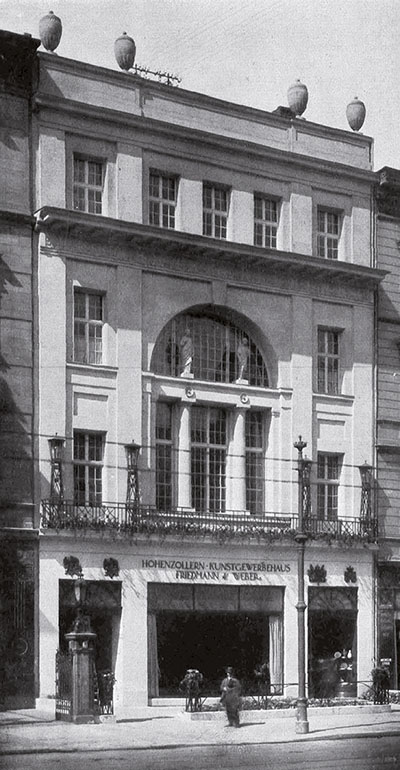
[162,200]
[208,458]
[88,181]
[88,468]
[265,222]
[328,467]
[254,461]
[163,456]
[327,234]
[215,211]
[328,361]
[88,327]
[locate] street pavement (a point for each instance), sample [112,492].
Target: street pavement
[32,731]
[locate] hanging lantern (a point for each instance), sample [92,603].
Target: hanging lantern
[355,113]
[50,30]
[132,454]
[56,445]
[125,51]
[297,97]
[366,474]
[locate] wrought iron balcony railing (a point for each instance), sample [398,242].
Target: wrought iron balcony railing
[135,520]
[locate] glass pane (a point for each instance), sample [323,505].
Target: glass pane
[163,421]
[79,485]
[164,476]
[199,478]
[79,446]
[79,170]
[79,305]
[198,425]
[95,307]
[217,480]
[154,185]
[79,199]
[207,196]
[217,426]
[95,174]
[154,213]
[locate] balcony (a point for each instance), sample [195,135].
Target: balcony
[142,520]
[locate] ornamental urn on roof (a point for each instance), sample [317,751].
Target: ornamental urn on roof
[125,51]
[297,97]
[50,30]
[355,113]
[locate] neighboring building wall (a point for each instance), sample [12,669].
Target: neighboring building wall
[18,521]
[388,426]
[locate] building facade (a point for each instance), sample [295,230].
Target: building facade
[205,295]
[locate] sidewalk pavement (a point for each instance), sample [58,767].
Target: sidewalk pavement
[30,731]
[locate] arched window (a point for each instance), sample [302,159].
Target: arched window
[209,348]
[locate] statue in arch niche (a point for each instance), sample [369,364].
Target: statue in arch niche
[186,353]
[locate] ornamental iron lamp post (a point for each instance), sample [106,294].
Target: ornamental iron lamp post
[366,489]
[81,647]
[132,490]
[56,444]
[304,509]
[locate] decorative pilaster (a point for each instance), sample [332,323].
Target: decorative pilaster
[237,462]
[184,459]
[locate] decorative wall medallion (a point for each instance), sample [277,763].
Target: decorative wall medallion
[111,567]
[244,398]
[190,392]
[350,575]
[317,574]
[72,566]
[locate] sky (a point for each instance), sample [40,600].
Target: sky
[249,52]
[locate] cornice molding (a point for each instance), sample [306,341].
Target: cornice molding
[197,99]
[227,143]
[79,225]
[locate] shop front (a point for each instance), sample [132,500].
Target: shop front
[172,606]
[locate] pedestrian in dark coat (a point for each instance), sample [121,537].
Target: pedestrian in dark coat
[230,697]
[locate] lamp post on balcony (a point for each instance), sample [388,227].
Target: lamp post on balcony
[56,445]
[366,486]
[303,469]
[132,489]
[366,508]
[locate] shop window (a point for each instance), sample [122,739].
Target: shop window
[209,349]
[254,461]
[328,471]
[328,234]
[162,200]
[88,467]
[215,210]
[208,458]
[328,361]
[163,456]
[88,327]
[265,222]
[88,184]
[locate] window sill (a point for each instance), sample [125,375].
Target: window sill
[91,368]
[343,397]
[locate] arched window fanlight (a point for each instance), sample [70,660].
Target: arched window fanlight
[208,348]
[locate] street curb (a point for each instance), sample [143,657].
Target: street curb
[163,747]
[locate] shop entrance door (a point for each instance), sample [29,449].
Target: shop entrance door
[332,642]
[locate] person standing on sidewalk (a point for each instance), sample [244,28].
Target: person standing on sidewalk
[230,697]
